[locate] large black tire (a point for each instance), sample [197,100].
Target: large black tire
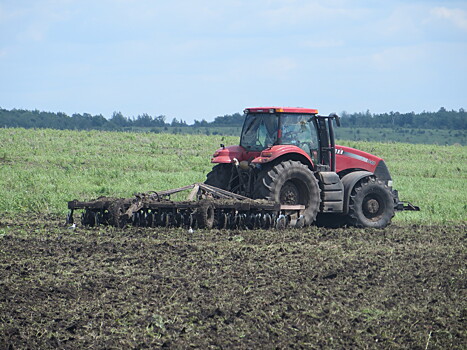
[116,211]
[205,215]
[290,182]
[219,176]
[371,204]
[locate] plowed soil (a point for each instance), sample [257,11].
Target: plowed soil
[107,288]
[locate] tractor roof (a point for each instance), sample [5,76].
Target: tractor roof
[298,110]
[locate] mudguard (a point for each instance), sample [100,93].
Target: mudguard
[349,182]
[277,151]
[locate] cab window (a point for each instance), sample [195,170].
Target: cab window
[259,131]
[299,130]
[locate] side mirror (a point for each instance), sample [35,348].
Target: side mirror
[336,118]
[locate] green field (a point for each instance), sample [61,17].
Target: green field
[43,169]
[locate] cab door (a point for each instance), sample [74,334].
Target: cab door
[299,130]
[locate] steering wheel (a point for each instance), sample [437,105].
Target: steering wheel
[291,137]
[290,134]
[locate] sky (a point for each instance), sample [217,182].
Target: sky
[199,59]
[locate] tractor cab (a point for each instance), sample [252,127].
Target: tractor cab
[278,127]
[302,128]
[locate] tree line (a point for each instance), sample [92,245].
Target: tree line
[442,119]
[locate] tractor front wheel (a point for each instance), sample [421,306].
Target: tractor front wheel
[371,204]
[220,176]
[290,182]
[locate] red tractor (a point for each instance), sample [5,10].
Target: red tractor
[289,156]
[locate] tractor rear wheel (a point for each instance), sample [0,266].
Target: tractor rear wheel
[219,176]
[371,204]
[290,182]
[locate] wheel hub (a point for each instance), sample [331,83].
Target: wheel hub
[289,194]
[372,208]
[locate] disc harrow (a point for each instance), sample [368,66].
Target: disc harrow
[205,207]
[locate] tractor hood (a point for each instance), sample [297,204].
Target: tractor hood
[351,158]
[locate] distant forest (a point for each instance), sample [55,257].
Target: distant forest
[442,119]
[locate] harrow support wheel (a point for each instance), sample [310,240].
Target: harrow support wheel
[205,215]
[88,218]
[116,211]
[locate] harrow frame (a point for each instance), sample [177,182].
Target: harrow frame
[205,207]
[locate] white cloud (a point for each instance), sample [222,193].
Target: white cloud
[457,16]
[403,21]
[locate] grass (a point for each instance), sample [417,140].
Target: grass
[40,170]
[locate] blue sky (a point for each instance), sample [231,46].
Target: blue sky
[202,58]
